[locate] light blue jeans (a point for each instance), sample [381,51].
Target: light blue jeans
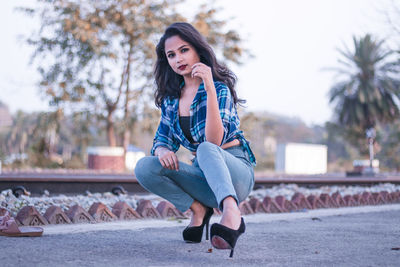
[214,175]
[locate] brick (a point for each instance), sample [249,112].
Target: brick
[337,198]
[256,205]
[285,204]
[386,197]
[271,206]
[395,196]
[350,201]
[55,215]
[146,209]
[166,209]
[392,197]
[378,199]
[358,199]
[125,212]
[101,213]
[245,208]
[328,201]
[367,199]
[29,216]
[315,202]
[397,193]
[77,214]
[291,206]
[280,200]
[102,162]
[301,201]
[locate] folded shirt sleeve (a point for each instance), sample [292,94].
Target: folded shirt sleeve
[164,136]
[227,111]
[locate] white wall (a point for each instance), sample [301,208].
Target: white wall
[132,158]
[297,158]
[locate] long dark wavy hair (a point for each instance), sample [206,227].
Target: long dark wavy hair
[168,82]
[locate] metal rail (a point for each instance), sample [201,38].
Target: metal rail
[56,183]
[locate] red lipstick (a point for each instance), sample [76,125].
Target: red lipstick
[183,67]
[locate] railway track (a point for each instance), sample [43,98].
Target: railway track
[56,183]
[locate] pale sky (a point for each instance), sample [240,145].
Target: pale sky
[292,42]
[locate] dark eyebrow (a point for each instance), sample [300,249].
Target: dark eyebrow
[170,51]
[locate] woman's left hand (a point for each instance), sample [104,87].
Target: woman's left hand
[203,72]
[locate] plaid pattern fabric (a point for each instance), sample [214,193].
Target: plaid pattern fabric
[170,135]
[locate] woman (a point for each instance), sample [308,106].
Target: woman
[198,110]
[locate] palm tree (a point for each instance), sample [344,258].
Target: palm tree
[369,91]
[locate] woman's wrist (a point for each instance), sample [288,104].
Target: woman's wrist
[160,150]
[209,86]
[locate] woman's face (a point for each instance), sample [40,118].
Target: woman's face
[181,55]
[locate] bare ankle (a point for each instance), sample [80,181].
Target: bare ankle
[230,203]
[231,213]
[198,212]
[197,207]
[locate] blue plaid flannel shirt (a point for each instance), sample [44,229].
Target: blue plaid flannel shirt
[170,135]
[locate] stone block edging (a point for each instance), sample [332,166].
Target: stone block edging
[99,212]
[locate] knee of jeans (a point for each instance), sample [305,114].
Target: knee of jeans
[205,147]
[145,168]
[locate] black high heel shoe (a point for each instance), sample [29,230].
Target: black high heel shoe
[193,234]
[223,237]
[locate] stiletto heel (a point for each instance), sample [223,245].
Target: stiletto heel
[193,234]
[207,224]
[223,237]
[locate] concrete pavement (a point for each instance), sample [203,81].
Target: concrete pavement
[358,236]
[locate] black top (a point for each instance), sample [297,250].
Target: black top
[184,121]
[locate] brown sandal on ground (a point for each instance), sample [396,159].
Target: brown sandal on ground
[8,227]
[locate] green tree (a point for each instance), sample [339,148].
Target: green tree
[97,56]
[17,138]
[369,92]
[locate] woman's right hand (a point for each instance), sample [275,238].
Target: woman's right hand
[167,158]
